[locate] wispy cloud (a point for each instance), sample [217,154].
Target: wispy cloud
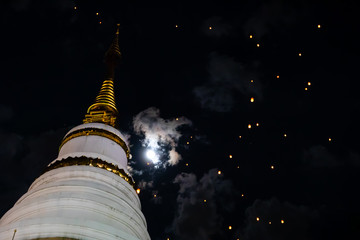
[227,79]
[161,135]
[200,205]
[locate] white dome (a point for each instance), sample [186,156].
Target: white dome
[94,145]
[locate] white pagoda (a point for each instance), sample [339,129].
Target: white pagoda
[87,191]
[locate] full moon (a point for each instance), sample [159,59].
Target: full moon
[151,154]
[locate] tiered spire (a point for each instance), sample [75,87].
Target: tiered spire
[104,109]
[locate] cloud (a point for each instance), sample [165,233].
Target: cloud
[270,15]
[319,156]
[160,134]
[219,27]
[195,218]
[6,113]
[297,221]
[22,159]
[227,79]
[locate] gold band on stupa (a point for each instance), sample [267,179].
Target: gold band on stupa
[97,132]
[104,109]
[92,162]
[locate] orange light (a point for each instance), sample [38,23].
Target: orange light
[97,14]
[204,200]
[299,54]
[319,26]
[309,83]
[258,45]
[210,28]
[176,26]
[272,167]
[252,99]
[240,137]
[230,156]
[250,36]
[187,164]
[329,139]
[154,195]
[100,22]
[187,143]
[251,80]
[306,89]
[176,119]
[138,190]
[282,221]
[257,124]
[249,126]
[242,195]
[230,227]
[285,135]
[277,76]
[257,219]
[219,172]
[269,222]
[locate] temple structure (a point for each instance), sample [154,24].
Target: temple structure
[86,192]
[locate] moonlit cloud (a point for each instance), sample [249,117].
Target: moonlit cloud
[160,134]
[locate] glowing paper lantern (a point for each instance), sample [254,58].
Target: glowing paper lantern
[282,221]
[230,156]
[251,36]
[277,76]
[230,227]
[219,172]
[319,26]
[252,99]
[210,28]
[249,126]
[138,190]
[258,45]
[257,219]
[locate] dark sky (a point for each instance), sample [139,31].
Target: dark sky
[175,66]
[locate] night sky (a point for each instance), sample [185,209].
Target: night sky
[184,88]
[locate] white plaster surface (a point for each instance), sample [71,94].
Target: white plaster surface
[92,145]
[80,202]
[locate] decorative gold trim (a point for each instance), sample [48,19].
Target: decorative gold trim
[97,132]
[104,108]
[96,162]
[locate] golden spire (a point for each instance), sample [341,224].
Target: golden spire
[104,109]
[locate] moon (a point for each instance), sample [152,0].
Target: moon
[151,154]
